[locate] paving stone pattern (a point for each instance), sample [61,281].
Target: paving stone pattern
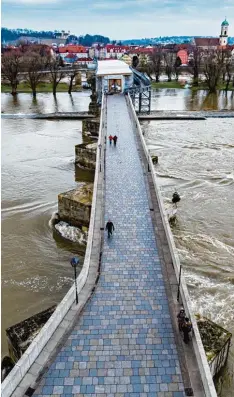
[123,343]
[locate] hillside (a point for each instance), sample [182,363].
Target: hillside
[9,35]
[166,40]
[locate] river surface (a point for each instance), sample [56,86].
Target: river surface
[195,157]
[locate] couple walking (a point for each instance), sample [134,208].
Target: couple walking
[113,138]
[184,324]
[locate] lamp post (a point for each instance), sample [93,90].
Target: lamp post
[75,262]
[178,291]
[100,149]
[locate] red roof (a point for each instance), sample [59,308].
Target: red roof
[207,41]
[84,59]
[141,51]
[70,56]
[116,47]
[73,49]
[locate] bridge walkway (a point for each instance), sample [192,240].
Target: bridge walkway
[123,344]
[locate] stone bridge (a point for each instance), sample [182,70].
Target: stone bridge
[122,338]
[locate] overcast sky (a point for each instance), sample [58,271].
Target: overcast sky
[121,19]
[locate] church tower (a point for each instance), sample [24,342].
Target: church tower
[223,38]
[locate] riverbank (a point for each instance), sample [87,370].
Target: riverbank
[42,87]
[177,84]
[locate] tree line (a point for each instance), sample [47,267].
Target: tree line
[216,65]
[33,61]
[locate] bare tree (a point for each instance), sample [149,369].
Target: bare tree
[135,61]
[11,64]
[169,61]
[177,66]
[228,69]
[35,64]
[143,62]
[157,62]
[56,74]
[195,63]
[214,63]
[73,74]
[144,65]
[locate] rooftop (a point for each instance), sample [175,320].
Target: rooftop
[206,41]
[225,23]
[112,67]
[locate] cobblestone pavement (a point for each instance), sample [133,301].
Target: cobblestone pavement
[123,344]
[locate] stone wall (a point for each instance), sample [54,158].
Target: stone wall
[91,126]
[85,155]
[74,206]
[19,336]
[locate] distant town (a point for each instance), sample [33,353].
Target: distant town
[83,49]
[154,57]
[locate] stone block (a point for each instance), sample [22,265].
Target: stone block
[74,206]
[85,155]
[91,126]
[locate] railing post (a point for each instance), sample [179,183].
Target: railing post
[178,292]
[148,161]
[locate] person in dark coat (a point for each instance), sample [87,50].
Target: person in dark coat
[110,227]
[115,139]
[186,328]
[181,318]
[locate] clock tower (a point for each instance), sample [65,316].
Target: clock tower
[223,38]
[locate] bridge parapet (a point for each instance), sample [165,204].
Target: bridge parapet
[22,375]
[201,359]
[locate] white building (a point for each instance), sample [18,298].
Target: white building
[113,76]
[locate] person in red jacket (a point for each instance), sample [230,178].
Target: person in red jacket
[110,139]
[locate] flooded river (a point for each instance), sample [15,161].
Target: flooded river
[195,157]
[37,165]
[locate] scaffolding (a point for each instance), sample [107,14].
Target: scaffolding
[141,99]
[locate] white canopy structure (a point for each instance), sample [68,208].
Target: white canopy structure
[113,77]
[106,68]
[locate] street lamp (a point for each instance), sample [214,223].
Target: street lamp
[100,149]
[75,262]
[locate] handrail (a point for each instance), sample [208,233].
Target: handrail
[203,365]
[35,348]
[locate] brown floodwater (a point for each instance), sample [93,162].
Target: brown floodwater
[185,99]
[195,157]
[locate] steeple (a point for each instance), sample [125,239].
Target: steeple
[223,38]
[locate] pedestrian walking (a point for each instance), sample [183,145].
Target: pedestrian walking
[181,318]
[186,328]
[110,139]
[115,139]
[110,228]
